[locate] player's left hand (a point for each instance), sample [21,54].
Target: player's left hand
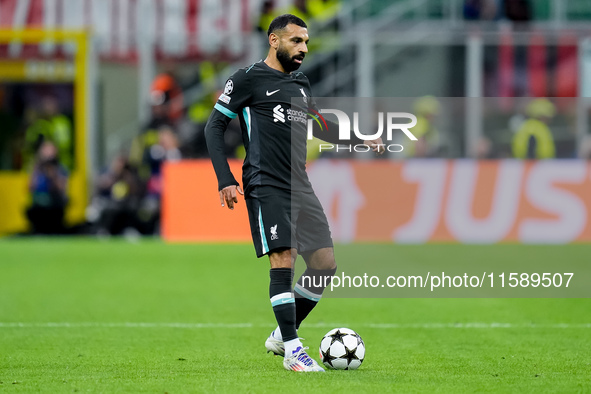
[376,145]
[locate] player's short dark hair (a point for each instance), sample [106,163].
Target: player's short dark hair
[282,21]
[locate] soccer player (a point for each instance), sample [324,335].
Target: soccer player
[285,215]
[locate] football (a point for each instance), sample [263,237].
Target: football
[342,348]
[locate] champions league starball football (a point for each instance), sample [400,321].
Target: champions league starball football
[342,348]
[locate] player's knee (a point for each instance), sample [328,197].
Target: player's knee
[321,259]
[282,258]
[323,264]
[328,265]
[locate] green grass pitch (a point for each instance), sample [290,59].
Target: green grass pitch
[85,315]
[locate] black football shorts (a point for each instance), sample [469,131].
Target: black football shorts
[281,218]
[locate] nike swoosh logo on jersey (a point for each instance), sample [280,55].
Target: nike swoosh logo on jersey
[273,92]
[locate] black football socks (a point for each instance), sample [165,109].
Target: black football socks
[309,290]
[283,302]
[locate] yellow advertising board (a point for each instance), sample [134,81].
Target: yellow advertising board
[14,191]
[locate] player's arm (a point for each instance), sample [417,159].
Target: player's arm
[328,131]
[236,95]
[214,137]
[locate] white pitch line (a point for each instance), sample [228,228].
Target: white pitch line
[480,325]
[312,325]
[123,325]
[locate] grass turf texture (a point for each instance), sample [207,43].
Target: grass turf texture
[211,288]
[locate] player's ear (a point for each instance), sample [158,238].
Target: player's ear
[273,40]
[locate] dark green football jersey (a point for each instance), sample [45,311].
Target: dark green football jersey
[274,131]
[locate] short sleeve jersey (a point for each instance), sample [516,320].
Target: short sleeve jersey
[273,132]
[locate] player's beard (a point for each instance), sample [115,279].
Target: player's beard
[287,62]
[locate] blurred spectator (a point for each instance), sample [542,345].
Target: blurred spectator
[268,13]
[166,100]
[313,150]
[107,179]
[199,111]
[534,139]
[298,8]
[480,9]
[115,206]
[472,9]
[308,10]
[48,191]
[125,203]
[167,149]
[321,10]
[518,10]
[49,125]
[191,139]
[428,141]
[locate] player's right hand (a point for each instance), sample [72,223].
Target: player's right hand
[229,197]
[376,145]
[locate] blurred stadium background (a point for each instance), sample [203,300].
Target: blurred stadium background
[102,110]
[103,105]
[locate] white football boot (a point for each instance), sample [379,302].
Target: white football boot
[275,345]
[299,361]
